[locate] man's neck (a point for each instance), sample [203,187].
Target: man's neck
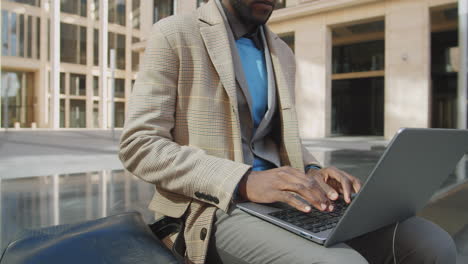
[229,8]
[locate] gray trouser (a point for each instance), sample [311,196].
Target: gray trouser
[242,238]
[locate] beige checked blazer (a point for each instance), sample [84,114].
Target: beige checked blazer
[182,131]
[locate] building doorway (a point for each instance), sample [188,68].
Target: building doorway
[358,59]
[444,66]
[17,99]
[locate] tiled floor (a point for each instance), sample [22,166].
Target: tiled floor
[59,199]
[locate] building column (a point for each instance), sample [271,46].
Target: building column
[128,55]
[407,66]
[146,19]
[313,79]
[103,47]
[55,64]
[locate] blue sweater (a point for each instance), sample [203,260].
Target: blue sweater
[253,63]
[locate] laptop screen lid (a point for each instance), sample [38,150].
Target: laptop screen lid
[412,168]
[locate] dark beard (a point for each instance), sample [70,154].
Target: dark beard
[245,14]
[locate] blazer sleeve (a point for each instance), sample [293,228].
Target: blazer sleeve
[147,149]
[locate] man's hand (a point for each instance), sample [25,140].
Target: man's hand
[334,182]
[286,185]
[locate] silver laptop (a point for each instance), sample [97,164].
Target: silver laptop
[412,168]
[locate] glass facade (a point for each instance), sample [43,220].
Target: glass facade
[28,2]
[18,31]
[117,12]
[280,4]
[77,113]
[136,14]
[117,42]
[358,60]
[119,114]
[162,9]
[77,84]
[96,114]
[77,7]
[72,43]
[357,106]
[17,95]
[359,57]
[119,88]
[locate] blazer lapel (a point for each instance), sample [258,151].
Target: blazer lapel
[215,36]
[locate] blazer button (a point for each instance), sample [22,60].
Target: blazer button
[198,194]
[215,200]
[203,234]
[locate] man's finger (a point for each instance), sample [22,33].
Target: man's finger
[345,183]
[289,198]
[355,181]
[332,194]
[314,195]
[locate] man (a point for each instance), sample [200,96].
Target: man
[212,122]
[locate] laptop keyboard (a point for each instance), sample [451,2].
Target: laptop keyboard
[316,221]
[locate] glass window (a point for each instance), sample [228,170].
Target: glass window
[62,113]
[13,35]
[162,9]
[62,83]
[359,57]
[96,48]
[136,14]
[95,114]
[82,45]
[77,7]
[4,33]
[289,39]
[77,84]
[280,4]
[29,2]
[78,113]
[363,98]
[135,60]
[38,37]
[95,9]
[17,95]
[117,12]
[21,41]
[119,114]
[96,86]
[119,88]
[72,43]
[117,42]
[201,2]
[29,36]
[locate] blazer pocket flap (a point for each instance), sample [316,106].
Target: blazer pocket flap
[169,204]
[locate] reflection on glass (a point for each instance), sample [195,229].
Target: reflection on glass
[359,57]
[77,113]
[21,35]
[72,43]
[29,2]
[18,89]
[62,113]
[136,14]
[96,48]
[119,117]
[119,88]
[13,36]
[95,86]
[77,84]
[77,7]
[4,33]
[444,79]
[162,9]
[62,83]
[95,114]
[117,42]
[117,12]
[135,61]
[357,106]
[29,202]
